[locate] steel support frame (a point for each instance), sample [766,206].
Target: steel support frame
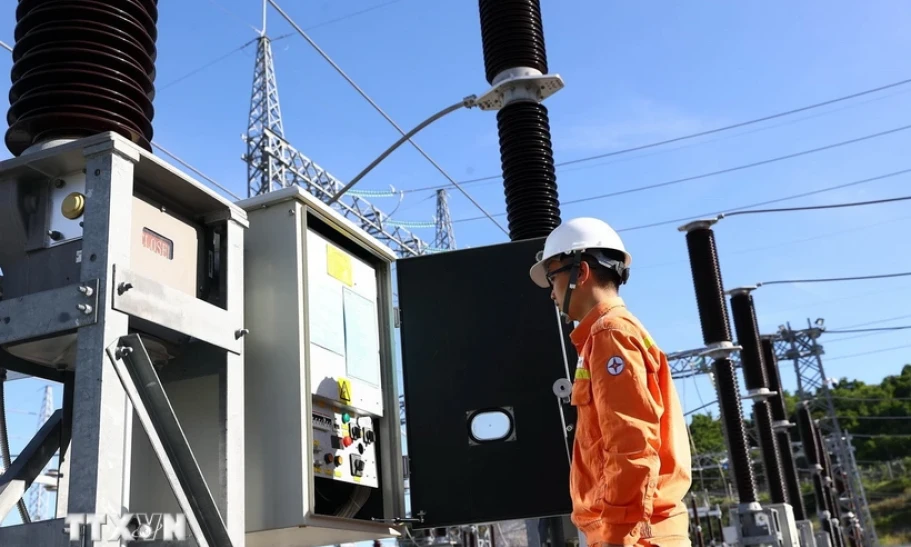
[23,471]
[802,347]
[98,481]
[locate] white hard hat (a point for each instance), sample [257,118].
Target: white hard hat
[578,234]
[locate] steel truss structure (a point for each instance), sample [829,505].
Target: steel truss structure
[813,386]
[273,163]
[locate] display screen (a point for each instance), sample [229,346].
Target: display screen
[158,244]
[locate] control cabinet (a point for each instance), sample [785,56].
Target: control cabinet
[323,452]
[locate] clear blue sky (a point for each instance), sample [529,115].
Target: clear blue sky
[634,73]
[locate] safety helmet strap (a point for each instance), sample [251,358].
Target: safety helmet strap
[573,279]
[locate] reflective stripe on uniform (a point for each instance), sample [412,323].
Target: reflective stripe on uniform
[583,374]
[649,342]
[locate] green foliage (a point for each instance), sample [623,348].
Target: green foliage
[707,434]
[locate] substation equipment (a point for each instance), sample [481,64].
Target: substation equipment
[123,280]
[323,439]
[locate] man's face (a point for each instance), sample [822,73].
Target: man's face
[558,275]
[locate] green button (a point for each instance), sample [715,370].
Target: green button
[346,418]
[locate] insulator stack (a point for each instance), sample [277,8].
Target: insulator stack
[513,42]
[716,330]
[697,526]
[811,450]
[713,311]
[747,329]
[82,67]
[780,418]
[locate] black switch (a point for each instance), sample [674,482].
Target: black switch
[355,432]
[335,442]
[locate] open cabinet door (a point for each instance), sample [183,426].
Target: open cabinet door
[481,350]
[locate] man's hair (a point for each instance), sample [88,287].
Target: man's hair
[602,274]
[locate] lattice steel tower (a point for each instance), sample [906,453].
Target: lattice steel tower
[445,236]
[813,387]
[38,502]
[272,163]
[265,114]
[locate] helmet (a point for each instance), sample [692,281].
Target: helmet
[578,234]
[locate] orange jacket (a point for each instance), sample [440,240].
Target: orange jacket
[631,458]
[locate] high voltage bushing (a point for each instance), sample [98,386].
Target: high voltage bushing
[781,424]
[82,68]
[697,526]
[813,451]
[716,333]
[513,41]
[747,329]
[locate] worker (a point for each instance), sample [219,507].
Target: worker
[630,467]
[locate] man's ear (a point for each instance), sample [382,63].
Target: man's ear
[585,273]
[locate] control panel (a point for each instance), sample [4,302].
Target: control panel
[344,446]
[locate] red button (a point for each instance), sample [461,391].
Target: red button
[347,441]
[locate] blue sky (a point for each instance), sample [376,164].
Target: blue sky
[635,73]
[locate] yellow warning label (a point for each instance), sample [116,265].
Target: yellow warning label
[338,473]
[338,265]
[356,479]
[344,389]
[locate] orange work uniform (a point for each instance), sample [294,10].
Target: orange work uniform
[631,458]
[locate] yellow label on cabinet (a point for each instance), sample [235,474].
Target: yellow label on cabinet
[338,265]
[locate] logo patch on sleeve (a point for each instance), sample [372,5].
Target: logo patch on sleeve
[615,365]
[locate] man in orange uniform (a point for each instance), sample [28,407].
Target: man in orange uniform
[631,458]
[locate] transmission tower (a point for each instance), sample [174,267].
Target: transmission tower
[813,387]
[272,163]
[445,236]
[38,503]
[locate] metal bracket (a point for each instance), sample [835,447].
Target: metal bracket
[44,313]
[397,316]
[152,407]
[150,300]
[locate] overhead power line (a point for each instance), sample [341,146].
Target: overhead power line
[698,134]
[719,172]
[876,329]
[376,107]
[831,279]
[728,212]
[815,207]
[865,353]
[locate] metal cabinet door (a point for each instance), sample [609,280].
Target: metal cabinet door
[480,339]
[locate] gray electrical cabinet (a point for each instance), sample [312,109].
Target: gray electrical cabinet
[323,452]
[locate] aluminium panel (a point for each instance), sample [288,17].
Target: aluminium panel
[479,337]
[172,308]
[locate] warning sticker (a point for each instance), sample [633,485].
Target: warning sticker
[338,265]
[344,390]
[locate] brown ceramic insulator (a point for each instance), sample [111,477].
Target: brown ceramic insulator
[82,67]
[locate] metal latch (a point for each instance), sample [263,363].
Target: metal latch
[397,316]
[406,467]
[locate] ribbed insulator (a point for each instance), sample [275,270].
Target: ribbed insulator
[773,378]
[713,311]
[768,446]
[819,491]
[808,435]
[529,177]
[512,35]
[789,473]
[82,67]
[729,401]
[747,329]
